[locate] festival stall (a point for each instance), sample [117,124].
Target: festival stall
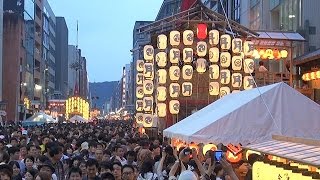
[39,118]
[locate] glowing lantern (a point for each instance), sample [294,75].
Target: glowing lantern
[214,88]
[236,45]
[187,72]
[224,91]
[236,63]
[187,55]
[225,59]
[161,110]
[318,74]
[162,42]
[139,105]
[174,56]
[249,152]
[214,55]
[148,104]
[202,48]
[148,87]
[188,37]
[148,70]
[313,75]
[261,52]
[236,80]
[248,66]
[148,53]
[140,65]
[161,59]
[187,89]
[161,93]
[225,42]
[202,31]
[248,48]
[214,71]
[147,120]
[284,53]
[269,54]
[175,38]
[233,158]
[225,76]
[256,54]
[248,82]
[139,92]
[162,76]
[174,73]
[214,37]
[174,90]
[276,54]
[174,106]
[201,65]
[139,118]
[208,147]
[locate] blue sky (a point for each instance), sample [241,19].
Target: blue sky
[105,31]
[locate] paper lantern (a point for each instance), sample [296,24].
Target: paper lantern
[236,45]
[174,73]
[187,55]
[148,104]
[208,147]
[139,79]
[187,89]
[202,48]
[139,105]
[161,59]
[256,54]
[248,66]
[147,120]
[148,87]
[174,56]
[161,110]
[318,74]
[313,75]
[269,54]
[188,37]
[161,93]
[284,53]
[175,38]
[162,76]
[148,53]
[233,158]
[224,91]
[174,90]
[174,106]
[248,82]
[214,88]
[201,65]
[225,42]
[225,59]
[202,31]
[276,54]
[214,71]
[162,42]
[236,63]
[225,76]
[214,37]
[262,52]
[187,72]
[236,80]
[140,65]
[139,92]
[214,54]
[148,71]
[248,48]
[139,118]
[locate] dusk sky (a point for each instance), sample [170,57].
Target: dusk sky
[105,31]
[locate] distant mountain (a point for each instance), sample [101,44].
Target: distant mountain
[103,90]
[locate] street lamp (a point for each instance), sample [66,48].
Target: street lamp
[37,87]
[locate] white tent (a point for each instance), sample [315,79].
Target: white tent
[78,119]
[38,119]
[244,118]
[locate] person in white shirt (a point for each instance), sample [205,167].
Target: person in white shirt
[262,68]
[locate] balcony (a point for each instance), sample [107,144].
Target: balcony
[267,78]
[38,37]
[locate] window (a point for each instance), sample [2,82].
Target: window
[236,10]
[312,30]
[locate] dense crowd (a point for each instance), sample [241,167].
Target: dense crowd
[106,151]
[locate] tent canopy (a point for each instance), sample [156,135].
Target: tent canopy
[38,119]
[78,119]
[244,118]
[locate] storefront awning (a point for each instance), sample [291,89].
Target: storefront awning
[308,57]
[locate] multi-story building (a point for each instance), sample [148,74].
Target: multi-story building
[72,72]
[83,84]
[1,46]
[169,8]
[127,90]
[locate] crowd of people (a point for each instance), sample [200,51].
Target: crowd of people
[103,151]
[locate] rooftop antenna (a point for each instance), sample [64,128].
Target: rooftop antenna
[77,35]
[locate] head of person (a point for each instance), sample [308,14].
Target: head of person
[218,170]
[92,167]
[31,149]
[131,156]
[92,147]
[14,153]
[46,168]
[106,155]
[128,172]
[45,140]
[55,153]
[83,168]
[107,176]
[14,141]
[30,174]
[105,167]
[15,168]
[146,167]
[261,63]
[43,176]
[23,140]
[2,145]
[118,150]
[6,172]
[4,157]
[116,169]
[99,154]
[29,162]
[75,174]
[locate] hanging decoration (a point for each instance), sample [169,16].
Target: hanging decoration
[148,53]
[174,106]
[201,65]
[162,42]
[187,89]
[187,55]
[140,65]
[202,48]
[161,93]
[161,110]
[161,59]
[162,76]
[214,55]
[174,56]
[188,37]
[214,37]
[202,31]
[175,38]
[187,72]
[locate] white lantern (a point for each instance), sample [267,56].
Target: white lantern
[214,71]
[162,42]
[236,80]
[188,37]
[140,65]
[225,59]
[161,93]
[187,72]
[139,92]
[148,53]
[248,66]
[175,38]
[248,48]
[248,82]
[214,54]
[225,42]
[161,110]
[148,104]
[225,76]
[174,106]
[187,55]
[236,45]
[147,120]
[202,48]
[214,88]
[148,87]
[187,89]
[236,63]
[139,118]
[201,65]
[224,91]
[214,37]
[139,105]
[174,56]
[174,90]
[139,79]
[161,59]
[148,70]
[174,73]
[162,76]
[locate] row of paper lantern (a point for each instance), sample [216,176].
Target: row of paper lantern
[311,76]
[77,105]
[270,54]
[145,119]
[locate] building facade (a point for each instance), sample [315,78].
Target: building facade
[1,46]
[72,74]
